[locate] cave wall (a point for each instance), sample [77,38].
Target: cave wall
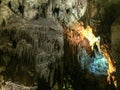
[31,51]
[65,11]
[115,47]
[49,57]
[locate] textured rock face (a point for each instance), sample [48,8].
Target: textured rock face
[13,86]
[31,47]
[82,63]
[65,11]
[115,47]
[5,14]
[35,46]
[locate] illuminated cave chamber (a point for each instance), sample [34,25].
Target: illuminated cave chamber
[96,64]
[59,44]
[92,57]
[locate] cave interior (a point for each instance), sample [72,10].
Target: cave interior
[59,45]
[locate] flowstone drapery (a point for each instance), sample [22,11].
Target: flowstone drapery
[34,50]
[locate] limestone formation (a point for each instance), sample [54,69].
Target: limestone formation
[67,11]
[39,44]
[32,47]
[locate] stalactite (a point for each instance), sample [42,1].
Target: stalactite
[34,40]
[52,77]
[24,52]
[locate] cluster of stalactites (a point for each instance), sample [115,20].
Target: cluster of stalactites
[65,11]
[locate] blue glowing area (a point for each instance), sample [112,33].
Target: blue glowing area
[99,66]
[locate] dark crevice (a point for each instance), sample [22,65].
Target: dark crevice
[21,9]
[0,1]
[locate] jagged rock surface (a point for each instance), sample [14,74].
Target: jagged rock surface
[21,47]
[65,11]
[27,47]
